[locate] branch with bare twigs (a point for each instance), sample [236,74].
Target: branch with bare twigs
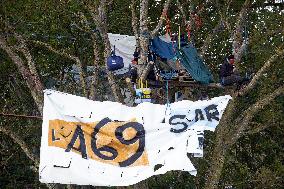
[33,82]
[162,18]
[260,72]
[70,57]
[243,121]
[229,130]
[134,21]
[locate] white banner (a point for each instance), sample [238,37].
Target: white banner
[109,144]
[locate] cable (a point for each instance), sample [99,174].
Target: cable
[20,115]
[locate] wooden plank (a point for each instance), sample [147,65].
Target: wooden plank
[187,79]
[159,84]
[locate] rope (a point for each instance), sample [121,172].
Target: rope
[168,107]
[168,76]
[197,21]
[188,29]
[168,29]
[167,92]
[20,115]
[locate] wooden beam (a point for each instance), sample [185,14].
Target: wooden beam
[159,84]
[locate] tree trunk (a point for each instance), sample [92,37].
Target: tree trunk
[95,79]
[239,44]
[134,22]
[220,147]
[107,50]
[144,31]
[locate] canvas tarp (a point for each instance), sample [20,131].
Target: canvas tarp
[194,64]
[124,46]
[163,49]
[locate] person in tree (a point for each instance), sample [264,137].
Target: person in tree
[132,70]
[135,56]
[228,73]
[133,74]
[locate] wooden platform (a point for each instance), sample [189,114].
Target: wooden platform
[186,79]
[158,84]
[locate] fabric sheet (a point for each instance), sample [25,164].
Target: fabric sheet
[109,144]
[124,46]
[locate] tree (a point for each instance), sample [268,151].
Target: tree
[75,32]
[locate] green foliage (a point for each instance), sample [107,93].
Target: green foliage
[256,161]
[172,179]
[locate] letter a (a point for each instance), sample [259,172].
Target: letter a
[82,147]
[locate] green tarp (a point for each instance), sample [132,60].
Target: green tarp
[193,63]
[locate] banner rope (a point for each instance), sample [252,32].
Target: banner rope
[20,115]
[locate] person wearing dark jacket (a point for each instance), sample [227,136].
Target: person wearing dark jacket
[228,74]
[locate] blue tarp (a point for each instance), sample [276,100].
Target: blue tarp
[163,49]
[188,57]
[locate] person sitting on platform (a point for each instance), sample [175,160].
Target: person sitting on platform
[228,73]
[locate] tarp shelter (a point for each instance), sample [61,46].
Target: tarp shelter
[193,63]
[187,55]
[163,49]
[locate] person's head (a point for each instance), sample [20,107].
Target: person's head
[231,59]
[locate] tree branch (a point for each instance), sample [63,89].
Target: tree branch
[260,72]
[26,150]
[209,37]
[134,22]
[31,80]
[95,79]
[22,144]
[93,12]
[228,127]
[146,70]
[220,147]
[103,27]
[100,18]
[85,30]
[70,57]
[258,127]
[30,74]
[23,48]
[58,52]
[162,18]
[183,14]
[244,120]
[96,53]
[144,31]
[188,23]
[270,4]
[238,43]
[223,16]
[17,115]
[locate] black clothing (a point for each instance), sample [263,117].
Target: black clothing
[136,56]
[133,73]
[151,57]
[226,69]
